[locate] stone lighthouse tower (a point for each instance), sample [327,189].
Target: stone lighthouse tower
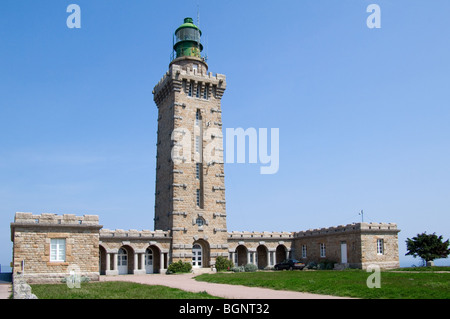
[190,188]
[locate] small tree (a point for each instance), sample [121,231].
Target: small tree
[427,247]
[179,267]
[223,264]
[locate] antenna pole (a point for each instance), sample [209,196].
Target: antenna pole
[198,14]
[362,216]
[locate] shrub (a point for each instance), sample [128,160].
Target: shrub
[250,268]
[238,269]
[179,267]
[326,265]
[223,264]
[311,265]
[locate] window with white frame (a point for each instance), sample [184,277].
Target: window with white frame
[58,249]
[380,247]
[322,250]
[303,251]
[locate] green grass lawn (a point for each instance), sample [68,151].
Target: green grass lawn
[114,290]
[349,283]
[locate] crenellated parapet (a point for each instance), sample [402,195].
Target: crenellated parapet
[238,235]
[177,76]
[133,234]
[47,219]
[349,228]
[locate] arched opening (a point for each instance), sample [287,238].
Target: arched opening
[281,253]
[149,261]
[122,261]
[200,254]
[125,260]
[262,253]
[152,259]
[241,254]
[102,260]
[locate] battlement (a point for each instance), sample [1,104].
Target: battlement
[348,228]
[259,235]
[178,70]
[133,233]
[54,219]
[177,74]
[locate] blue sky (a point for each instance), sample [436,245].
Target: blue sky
[363,113]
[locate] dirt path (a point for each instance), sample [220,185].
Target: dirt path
[187,283]
[5,291]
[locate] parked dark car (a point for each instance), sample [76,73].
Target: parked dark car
[290,264]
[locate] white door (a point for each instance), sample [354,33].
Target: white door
[122,262]
[197,256]
[343,252]
[149,261]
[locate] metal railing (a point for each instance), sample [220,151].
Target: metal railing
[173,56]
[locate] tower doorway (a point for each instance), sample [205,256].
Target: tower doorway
[197,256]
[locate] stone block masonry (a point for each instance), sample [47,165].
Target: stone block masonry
[32,237]
[355,245]
[190,189]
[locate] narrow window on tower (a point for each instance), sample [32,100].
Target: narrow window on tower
[197,170]
[197,144]
[214,91]
[205,92]
[185,86]
[198,117]
[199,87]
[198,198]
[190,89]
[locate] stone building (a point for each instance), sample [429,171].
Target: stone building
[47,246]
[190,207]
